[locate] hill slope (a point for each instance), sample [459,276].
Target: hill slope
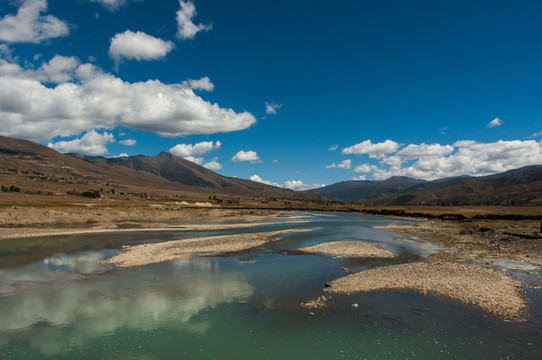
[351,191]
[41,168]
[519,186]
[175,169]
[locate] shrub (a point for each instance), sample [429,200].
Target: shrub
[91,194]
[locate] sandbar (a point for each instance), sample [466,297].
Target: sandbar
[349,249]
[492,290]
[26,222]
[203,246]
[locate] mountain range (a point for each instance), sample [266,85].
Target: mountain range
[38,169]
[515,187]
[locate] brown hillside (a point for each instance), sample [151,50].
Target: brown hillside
[38,170]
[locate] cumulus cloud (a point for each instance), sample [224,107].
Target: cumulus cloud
[345,164]
[537,134]
[495,122]
[59,69]
[213,165]
[413,151]
[202,84]
[251,156]
[377,150]
[465,157]
[6,53]
[97,100]
[91,143]
[194,152]
[128,142]
[257,178]
[271,109]
[296,185]
[137,46]
[120,155]
[365,168]
[30,26]
[186,27]
[111,5]
[333,147]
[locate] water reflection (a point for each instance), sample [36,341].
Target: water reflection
[61,302]
[99,304]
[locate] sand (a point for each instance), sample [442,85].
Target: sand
[204,246]
[349,249]
[491,290]
[475,238]
[25,222]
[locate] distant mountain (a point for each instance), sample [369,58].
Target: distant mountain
[41,167]
[178,170]
[518,186]
[354,190]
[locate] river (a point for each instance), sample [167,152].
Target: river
[58,301]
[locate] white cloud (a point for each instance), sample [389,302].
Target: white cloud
[377,150]
[111,5]
[271,108]
[365,168]
[186,28]
[97,100]
[360,178]
[251,156]
[202,84]
[257,178]
[194,159]
[29,26]
[6,53]
[333,147]
[59,69]
[194,152]
[413,151]
[495,122]
[537,134]
[468,158]
[128,142]
[345,164]
[91,143]
[296,185]
[137,46]
[120,155]
[213,165]
[184,150]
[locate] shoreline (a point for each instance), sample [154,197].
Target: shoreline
[462,240]
[348,249]
[479,239]
[153,253]
[28,222]
[493,291]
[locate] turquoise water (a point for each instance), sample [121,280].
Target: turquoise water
[57,302]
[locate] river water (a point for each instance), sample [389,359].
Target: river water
[58,302]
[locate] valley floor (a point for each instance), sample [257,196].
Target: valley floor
[465,241]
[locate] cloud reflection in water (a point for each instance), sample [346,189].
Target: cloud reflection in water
[168,295]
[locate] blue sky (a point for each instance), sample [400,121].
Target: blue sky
[292,93]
